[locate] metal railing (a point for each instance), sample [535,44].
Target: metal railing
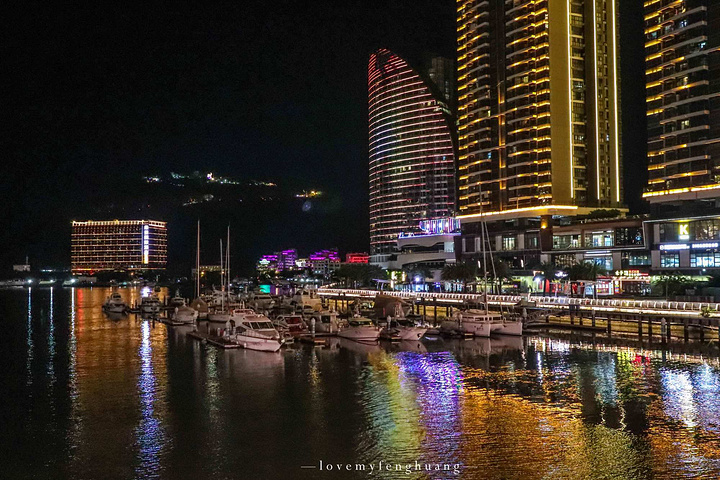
[544,301]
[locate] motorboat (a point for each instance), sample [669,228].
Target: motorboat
[150,305]
[507,326]
[303,298]
[360,329]
[185,314]
[325,322]
[224,316]
[292,324]
[177,301]
[256,332]
[114,304]
[262,302]
[405,329]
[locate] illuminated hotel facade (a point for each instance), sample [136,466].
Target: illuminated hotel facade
[538,108]
[129,245]
[411,149]
[682,47]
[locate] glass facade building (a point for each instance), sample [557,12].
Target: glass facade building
[538,107]
[129,245]
[682,47]
[411,149]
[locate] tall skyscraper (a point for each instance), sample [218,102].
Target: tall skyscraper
[682,46]
[412,161]
[538,107]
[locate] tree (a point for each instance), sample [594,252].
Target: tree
[413,271]
[499,274]
[358,274]
[585,271]
[462,272]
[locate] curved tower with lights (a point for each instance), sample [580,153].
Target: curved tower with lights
[412,160]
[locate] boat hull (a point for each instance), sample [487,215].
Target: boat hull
[360,334]
[259,344]
[218,317]
[507,328]
[411,333]
[478,329]
[114,308]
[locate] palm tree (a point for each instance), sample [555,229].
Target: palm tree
[462,272]
[548,271]
[500,273]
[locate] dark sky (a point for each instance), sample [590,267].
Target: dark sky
[272,90]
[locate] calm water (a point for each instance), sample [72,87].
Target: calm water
[87,397]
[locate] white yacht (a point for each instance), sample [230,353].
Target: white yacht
[150,305]
[114,304]
[262,301]
[475,322]
[185,314]
[360,329]
[325,321]
[405,329]
[224,316]
[256,332]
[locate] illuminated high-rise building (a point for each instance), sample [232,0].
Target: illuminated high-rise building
[412,160]
[538,108]
[682,47]
[129,245]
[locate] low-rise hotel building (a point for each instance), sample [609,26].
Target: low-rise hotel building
[118,245]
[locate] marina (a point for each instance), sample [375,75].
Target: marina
[640,407]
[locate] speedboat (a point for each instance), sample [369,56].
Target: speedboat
[406,329]
[150,305]
[256,332]
[185,314]
[114,304]
[360,329]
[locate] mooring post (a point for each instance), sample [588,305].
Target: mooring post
[572,314]
[640,330]
[650,332]
[435,310]
[580,316]
[664,330]
[593,317]
[686,329]
[609,326]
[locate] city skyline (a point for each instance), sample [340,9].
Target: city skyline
[122,109]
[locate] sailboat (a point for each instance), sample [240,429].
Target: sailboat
[199,305]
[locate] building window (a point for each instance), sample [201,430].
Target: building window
[532,241]
[669,260]
[565,260]
[705,259]
[508,243]
[628,236]
[600,239]
[639,259]
[469,244]
[605,262]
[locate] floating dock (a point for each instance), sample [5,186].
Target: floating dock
[214,340]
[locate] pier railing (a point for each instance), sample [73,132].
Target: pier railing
[610,304]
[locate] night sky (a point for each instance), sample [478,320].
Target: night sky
[98,94]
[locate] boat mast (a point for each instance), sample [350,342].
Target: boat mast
[227,262]
[222,279]
[197,262]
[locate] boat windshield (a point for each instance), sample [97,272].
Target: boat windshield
[261,325]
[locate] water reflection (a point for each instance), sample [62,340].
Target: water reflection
[149,433]
[29,340]
[136,399]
